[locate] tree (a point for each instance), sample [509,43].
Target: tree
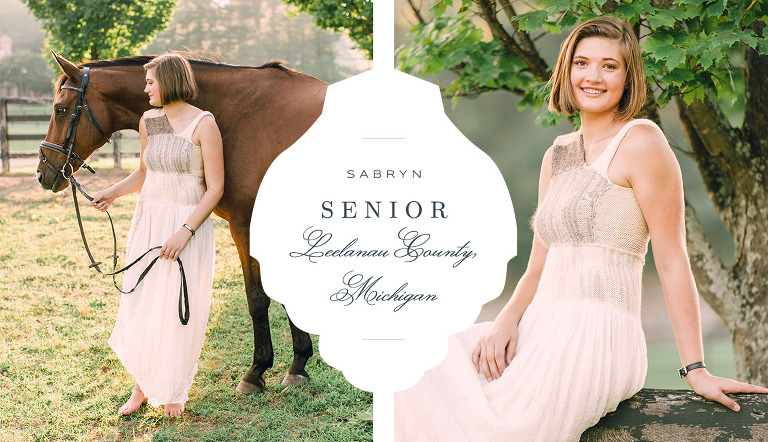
[28,70]
[252,32]
[691,52]
[352,16]
[99,29]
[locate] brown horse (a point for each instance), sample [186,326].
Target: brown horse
[260,111]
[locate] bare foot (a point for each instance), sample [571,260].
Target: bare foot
[134,402]
[174,410]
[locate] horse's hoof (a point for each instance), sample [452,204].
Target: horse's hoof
[295,379]
[248,388]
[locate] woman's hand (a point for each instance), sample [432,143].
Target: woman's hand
[495,350]
[175,244]
[715,387]
[102,199]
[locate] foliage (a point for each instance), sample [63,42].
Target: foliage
[98,29]
[687,44]
[352,16]
[62,382]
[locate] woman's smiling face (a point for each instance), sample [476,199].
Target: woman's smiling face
[598,75]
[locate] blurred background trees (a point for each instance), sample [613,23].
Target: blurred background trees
[248,32]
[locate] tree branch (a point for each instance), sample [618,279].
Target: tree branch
[718,183]
[534,61]
[478,90]
[720,141]
[713,280]
[416,12]
[525,40]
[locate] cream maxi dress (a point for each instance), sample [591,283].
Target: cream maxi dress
[148,337]
[581,348]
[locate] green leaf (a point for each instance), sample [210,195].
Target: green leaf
[438,9]
[716,9]
[708,58]
[661,17]
[661,47]
[677,76]
[532,20]
[750,40]
[689,96]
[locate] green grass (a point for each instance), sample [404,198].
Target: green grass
[61,381]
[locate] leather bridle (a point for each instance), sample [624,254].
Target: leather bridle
[68,149]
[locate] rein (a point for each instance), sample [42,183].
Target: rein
[72,157]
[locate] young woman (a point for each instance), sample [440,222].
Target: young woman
[568,346]
[181,177]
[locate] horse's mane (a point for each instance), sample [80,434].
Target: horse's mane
[141,60]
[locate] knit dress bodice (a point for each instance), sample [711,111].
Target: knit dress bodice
[594,229]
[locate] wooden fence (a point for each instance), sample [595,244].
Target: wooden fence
[5,138]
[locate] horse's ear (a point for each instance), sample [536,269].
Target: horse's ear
[69,68]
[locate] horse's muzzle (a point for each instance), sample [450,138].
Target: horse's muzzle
[50,179]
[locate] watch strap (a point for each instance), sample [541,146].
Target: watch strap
[683,371]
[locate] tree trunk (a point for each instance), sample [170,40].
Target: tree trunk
[733,163]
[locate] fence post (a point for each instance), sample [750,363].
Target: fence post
[116,137]
[5,153]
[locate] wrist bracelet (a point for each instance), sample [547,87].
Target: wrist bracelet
[683,371]
[187,226]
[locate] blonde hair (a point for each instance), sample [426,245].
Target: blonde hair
[561,99]
[174,75]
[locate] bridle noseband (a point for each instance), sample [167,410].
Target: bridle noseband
[68,148]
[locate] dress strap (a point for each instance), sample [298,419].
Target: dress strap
[189,130]
[602,163]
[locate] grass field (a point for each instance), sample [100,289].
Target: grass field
[61,382]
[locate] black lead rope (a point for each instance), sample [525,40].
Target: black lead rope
[183,293]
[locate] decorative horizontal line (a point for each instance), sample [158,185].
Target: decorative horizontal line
[383,339]
[383,138]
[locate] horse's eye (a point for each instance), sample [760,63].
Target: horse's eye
[60,111]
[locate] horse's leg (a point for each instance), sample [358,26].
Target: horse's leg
[302,351]
[258,306]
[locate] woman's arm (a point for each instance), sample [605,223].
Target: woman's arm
[654,174]
[496,349]
[209,137]
[132,183]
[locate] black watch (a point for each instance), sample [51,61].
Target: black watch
[684,370]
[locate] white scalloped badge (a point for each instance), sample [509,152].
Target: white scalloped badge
[383,229]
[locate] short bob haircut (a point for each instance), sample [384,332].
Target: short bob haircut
[561,99]
[175,77]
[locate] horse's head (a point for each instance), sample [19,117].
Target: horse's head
[74,132]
